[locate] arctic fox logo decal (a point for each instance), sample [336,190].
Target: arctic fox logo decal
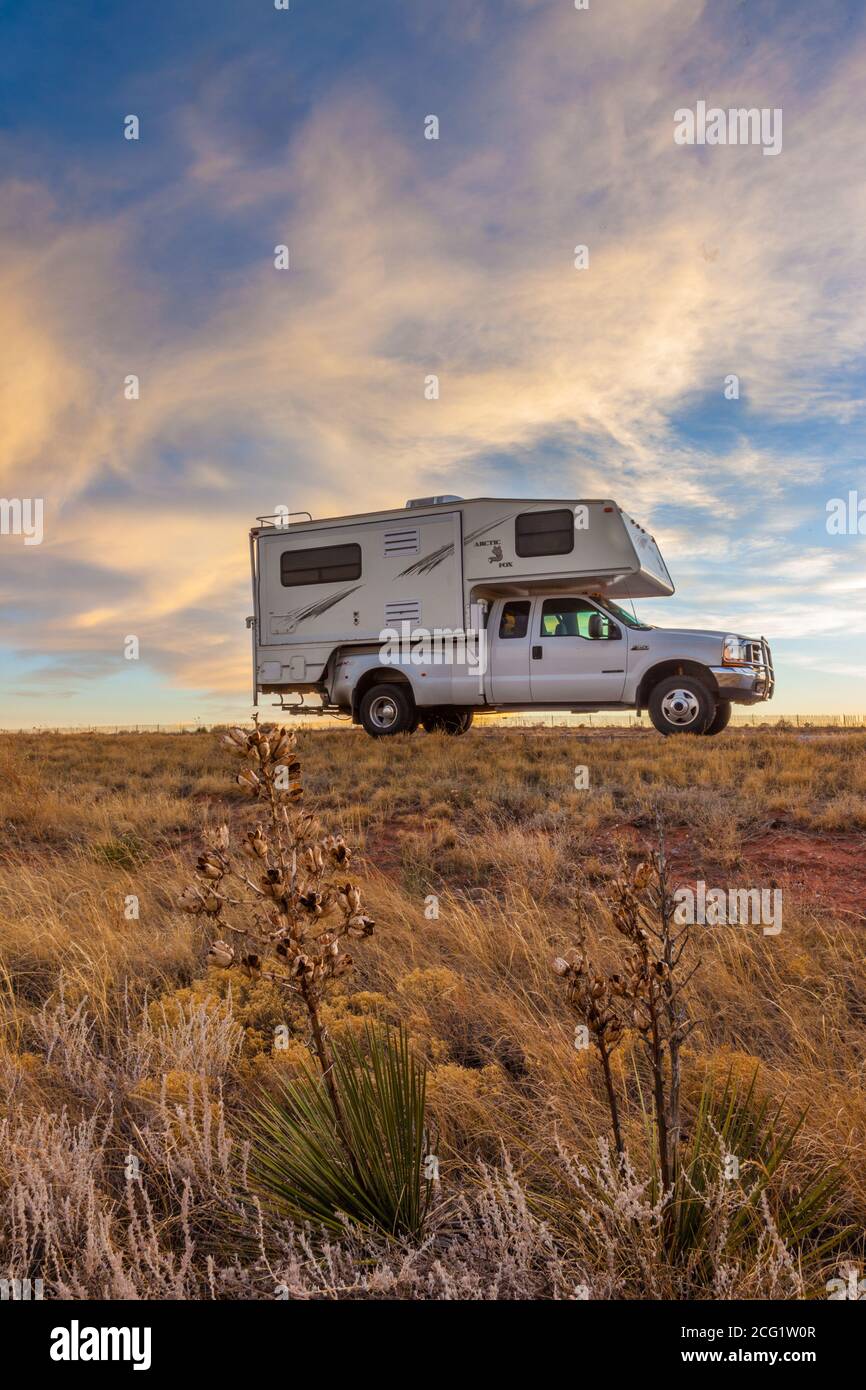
[496,553]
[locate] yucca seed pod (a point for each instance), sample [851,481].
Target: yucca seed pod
[360,926]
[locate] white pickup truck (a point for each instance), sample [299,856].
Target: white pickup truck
[428,614]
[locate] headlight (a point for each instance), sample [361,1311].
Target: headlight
[734,650]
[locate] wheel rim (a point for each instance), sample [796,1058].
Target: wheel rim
[383,712]
[681,707]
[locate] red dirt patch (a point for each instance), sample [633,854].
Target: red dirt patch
[821,869]
[825,870]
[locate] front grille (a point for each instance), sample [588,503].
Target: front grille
[757,654]
[768,669]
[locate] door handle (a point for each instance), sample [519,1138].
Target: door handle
[536,653]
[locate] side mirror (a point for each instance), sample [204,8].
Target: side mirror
[595,626]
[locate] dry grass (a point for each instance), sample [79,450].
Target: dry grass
[118,1040]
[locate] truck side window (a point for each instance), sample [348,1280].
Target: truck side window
[327,564]
[515,619]
[570,617]
[544,533]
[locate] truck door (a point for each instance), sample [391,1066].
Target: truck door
[509,652]
[578,653]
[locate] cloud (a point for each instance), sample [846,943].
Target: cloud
[411,257]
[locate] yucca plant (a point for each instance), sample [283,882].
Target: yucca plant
[646,996]
[722,1227]
[699,1205]
[738,1124]
[346,1140]
[294,911]
[386,1178]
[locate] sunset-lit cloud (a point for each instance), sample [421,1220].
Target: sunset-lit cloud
[455,257]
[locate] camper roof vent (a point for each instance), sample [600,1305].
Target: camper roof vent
[433,501]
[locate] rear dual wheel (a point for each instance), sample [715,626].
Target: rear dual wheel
[387,709]
[448,722]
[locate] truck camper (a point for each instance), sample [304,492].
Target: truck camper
[429,613]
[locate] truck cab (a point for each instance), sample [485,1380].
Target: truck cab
[587,652]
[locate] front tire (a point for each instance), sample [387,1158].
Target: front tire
[387,710]
[721,719]
[681,705]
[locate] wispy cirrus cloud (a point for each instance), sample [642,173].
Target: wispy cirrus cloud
[452,257]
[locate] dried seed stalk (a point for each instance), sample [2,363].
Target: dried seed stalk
[292,909]
[646,997]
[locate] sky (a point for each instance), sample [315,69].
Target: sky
[261,387]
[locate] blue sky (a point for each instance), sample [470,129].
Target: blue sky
[409,256]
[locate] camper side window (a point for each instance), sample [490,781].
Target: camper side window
[327,564]
[515,619]
[544,533]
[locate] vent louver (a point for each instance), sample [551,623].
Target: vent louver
[403,611]
[406,541]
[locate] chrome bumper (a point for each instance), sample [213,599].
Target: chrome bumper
[748,684]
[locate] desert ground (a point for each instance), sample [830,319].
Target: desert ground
[129,1064]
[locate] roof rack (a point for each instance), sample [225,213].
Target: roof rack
[282,517]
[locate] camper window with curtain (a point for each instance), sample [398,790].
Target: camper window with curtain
[544,533]
[327,564]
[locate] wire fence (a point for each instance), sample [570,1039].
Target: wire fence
[751,720]
[551,720]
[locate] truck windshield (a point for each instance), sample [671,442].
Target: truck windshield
[628,618]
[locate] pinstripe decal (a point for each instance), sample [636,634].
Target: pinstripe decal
[429,562]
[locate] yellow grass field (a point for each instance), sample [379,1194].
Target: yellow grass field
[128,1064]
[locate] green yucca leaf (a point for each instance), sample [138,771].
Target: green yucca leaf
[299,1159]
[761,1137]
